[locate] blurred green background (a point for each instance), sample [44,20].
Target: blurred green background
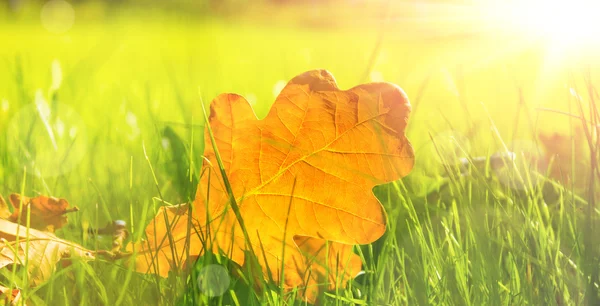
[129,69]
[87,86]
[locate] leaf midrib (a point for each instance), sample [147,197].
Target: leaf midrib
[283,170]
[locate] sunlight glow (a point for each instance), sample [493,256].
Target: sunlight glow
[565,22]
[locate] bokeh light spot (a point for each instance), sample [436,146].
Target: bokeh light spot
[57,16]
[213,280]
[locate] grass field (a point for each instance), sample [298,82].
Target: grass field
[135,82]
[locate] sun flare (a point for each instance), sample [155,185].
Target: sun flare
[563,22]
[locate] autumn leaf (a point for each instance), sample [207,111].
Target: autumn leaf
[38,251]
[47,213]
[10,297]
[117,229]
[4,211]
[302,177]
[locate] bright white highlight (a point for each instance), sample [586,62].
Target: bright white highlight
[376,76]
[565,21]
[57,75]
[132,121]
[4,105]
[251,98]
[278,87]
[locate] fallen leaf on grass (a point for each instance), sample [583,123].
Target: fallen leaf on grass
[38,251]
[117,229]
[10,297]
[319,152]
[4,211]
[47,213]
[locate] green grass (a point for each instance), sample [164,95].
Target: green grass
[132,82]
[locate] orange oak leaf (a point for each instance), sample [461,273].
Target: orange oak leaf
[47,213]
[302,177]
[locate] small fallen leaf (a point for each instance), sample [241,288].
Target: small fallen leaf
[10,297]
[46,213]
[117,229]
[319,152]
[4,211]
[39,251]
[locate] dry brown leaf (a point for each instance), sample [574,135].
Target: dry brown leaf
[319,148]
[10,297]
[4,211]
[117,229]
[47,213]
[38,251]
